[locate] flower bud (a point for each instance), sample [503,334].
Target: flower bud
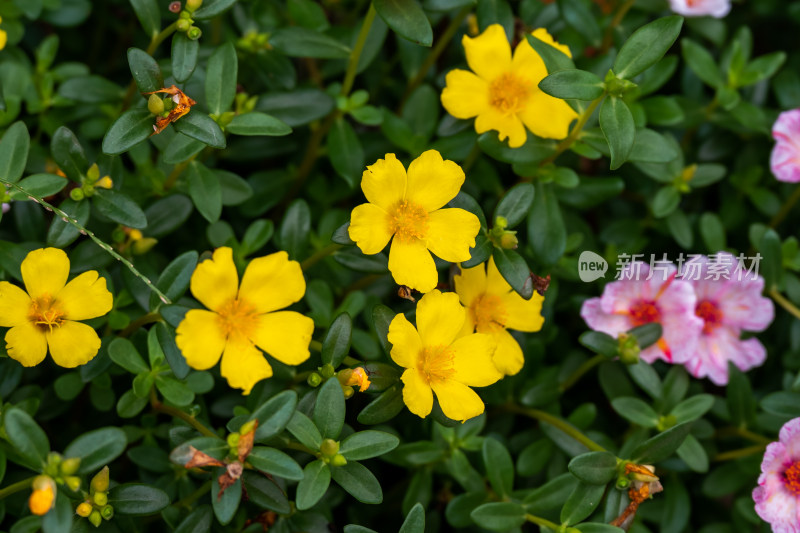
[194,33]
[155,104]
[100,498]
[142,246]
[185,15]
[193,5]
[327,371]
[100,481]
[107,512]
[104,183]
[182,25]
[338,460]
[73,483]
[77,194]
[88,190]
[500,222]
[509,240]
[84,509]
[314,379]
[622,483]
[70,466]
[233,440]
[247,427]
[348,392]
[628,349]
[93,173]
[175,7]
[43,496]
[95,518]
[135,235]
[329,447]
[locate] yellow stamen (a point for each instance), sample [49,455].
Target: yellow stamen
[45,313]
[408,221]
[238,317]
[435,364]
[508,93]
[489,313]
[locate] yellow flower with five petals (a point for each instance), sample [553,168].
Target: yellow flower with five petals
[493,307]
[438,361]
[503,91]
[244,317]
[46,316]
[406,208]
[3,36]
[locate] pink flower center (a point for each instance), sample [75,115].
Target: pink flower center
[644,312]
[791,478]
[712,315]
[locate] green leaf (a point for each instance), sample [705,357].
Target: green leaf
[712,231]
[257,123]
[149,16]
[647,334]
[295,41]
[329,410]
[59,518]
[175,278]
[68,153]
[184,56]
[772,263]
[97,448]
[198,521]
[367,444]
[131,128]
[304,430]
[316,479]
[137,499]
[407,19]
[130,405]
[554,59]
[221,75]
[274,414]
[701,62]
[651,147]
[212,8]
[124,353]
[226,505]
[175,359]
[693,408]
[646,46]
[295,228]
[181,148]
[205,191]
[515,271]
[174,391]
[357,480]
[546,230]
[415,520]
[596,527]
[740,399]
[201,127]
[636,411]
[27,438]
[582,502]
[41,185]
[616,122]
[573,84]
[257,234]
[665,201]
[383,408]
[499,467]
[145,71]
[501,516]
[90,90]
[783,404]
[275,462]
[336,345]
[662,445]
[761,68]
[693,454]
[119,208]
[600,342]
[346,153]
[596,468]
[263,492]
[14,146]
[516,204]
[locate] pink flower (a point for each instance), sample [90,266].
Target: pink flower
[728,300]
[635,300]
[699,8]
[785,158]
[778,488]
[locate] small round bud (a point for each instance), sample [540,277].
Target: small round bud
[88,190]
[95,518]
[314,379]
[107,512]
[84,509]
[100,498]
[104,183]
[70,466]
[233,440]
[100,481]
[500,222]
[175,7]
[338,460]
[329,447]
[43,495]
[73,483]
[327,371]
[142,246]
[183,25]
[193,5]
[77,194]
[93,174]
[135,235]
[628,348]
[623,483]
[185,15]
[247,427]
[194,33]
[155,104]
[509,240]
[348,392]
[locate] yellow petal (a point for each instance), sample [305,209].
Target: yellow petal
[470,283]
[465,94]
[451,233]
[72,344]
[543,35]
[546,116]
[384,182]
[200,339]
[272,282]
[26,344]
[243,365]
[433,181]
[523,315]
[417,394]
[285,335]
[439,318]
[508,357]
[488,54]
[215,281]
[528,64]
[411,264]
[469,326]
[85,297]
[14,305]
[495,283]
[508,126]
[472,360]
[458,401]
[405,342]
[45,271]
[369,228]
[3,39]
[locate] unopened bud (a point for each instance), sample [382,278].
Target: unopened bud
[135,235]
[314,379]
[77,194]
[327,371]
[183,25]
[622,483]
[70,466]
[628,348]
[107,512]
[43,495]
[500,222]
[193,5]
[233,440]
[142,246]
[247,427]
[155,104]
[100,481]
[175,7]
[338,460]
[104,183]
[73,483]
[93,173]
[100,498]
[194,33]
[84,509]
[348,392]
[95,518]
[329,447]
[509,240]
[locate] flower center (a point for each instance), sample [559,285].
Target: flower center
[508,93]
[435,364]
[408,221]
[711,314]
[489,313]
[791,478]
[238,317]
[45,313]
[644,312]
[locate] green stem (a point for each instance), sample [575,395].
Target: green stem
[542,522]
[143,320]
[558,423]
[580,371]
[564,145]
[315,345]
[16,487]
[355,55]
[74,223]
[191,498]
[737,454]
[319,255]
[608,37]
[434,54]
[177,413]
[176,172]
[785,208]
[292,445]
[783,302]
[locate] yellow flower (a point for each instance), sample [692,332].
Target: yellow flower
[43,495]
[358,377]
[408,208]
[47,315]
[246,316]
[3,37]
[437,361]
[492,306]
[503,91]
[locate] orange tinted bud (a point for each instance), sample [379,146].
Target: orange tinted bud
[84,509]
[43,495]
